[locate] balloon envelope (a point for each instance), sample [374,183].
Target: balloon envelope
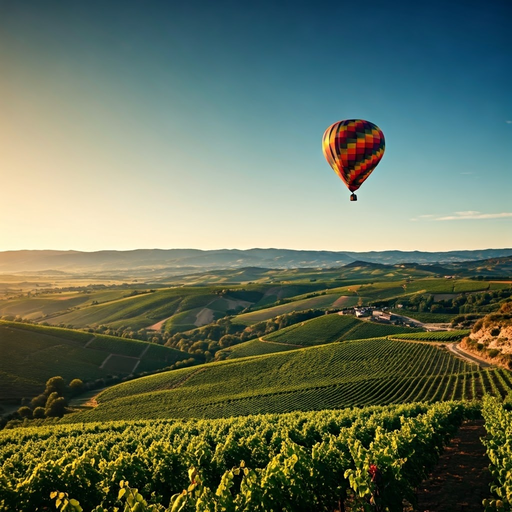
[353,148]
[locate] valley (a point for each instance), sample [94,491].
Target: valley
[240,351]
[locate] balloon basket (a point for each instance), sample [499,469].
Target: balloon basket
[353,197]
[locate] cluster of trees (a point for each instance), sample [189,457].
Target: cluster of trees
[465,321]
[208,340]
[461,304]
[127,332]
[51,403]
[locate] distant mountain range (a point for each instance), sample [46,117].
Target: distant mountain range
[190,260]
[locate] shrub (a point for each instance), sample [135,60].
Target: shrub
[478,325]
[38,413]
[25,412]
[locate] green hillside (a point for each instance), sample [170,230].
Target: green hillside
[442,336]
[365,372]
[136,311]
[254,347]
[176,309]
[329,328]
[318,302]
[31,354]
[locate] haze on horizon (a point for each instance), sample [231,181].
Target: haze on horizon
[198,125]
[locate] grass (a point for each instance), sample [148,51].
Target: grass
[37,308]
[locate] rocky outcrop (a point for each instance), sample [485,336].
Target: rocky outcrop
[492,336]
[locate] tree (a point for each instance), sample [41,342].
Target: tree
[76,386]
[25,412]
[38,401]
[55,385]
[38,413]
[55,406]
[228,340]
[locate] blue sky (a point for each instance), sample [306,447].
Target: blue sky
[198,124]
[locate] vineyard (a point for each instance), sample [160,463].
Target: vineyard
[31,354]
[325,329]
[255,347]
[330,328]
[425,317]
[293,462]
[318,302]
[498,442]
[354,373]
[442,336]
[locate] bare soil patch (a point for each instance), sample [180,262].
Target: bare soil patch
[342,301]
[204,317]
[461,479]
[158,326]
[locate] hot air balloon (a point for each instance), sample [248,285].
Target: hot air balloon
[353,148]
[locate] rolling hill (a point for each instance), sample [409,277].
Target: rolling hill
[31,354]
[363,372]
[291,374]
[331,328]
[177,260]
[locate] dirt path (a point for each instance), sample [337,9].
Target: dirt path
[460,481]
[278,343]
[90,341]
[455,348]
[204,317]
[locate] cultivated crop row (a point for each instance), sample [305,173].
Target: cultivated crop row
[293,462]
[442,336]
[330,328]
[498,442]
[359,373]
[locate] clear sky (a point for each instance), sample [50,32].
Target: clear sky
[198,124]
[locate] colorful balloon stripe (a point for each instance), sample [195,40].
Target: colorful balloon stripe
[353,148]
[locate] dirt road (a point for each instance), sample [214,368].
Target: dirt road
[454,347]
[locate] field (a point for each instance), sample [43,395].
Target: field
[308,408]
[318,302]
[255,347]
[31,354]
[331,328]
[291,462]
[442,336]
[427,318]
[365,372]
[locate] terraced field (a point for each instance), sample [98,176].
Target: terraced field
[329,328]
[365,372]
[31,354]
